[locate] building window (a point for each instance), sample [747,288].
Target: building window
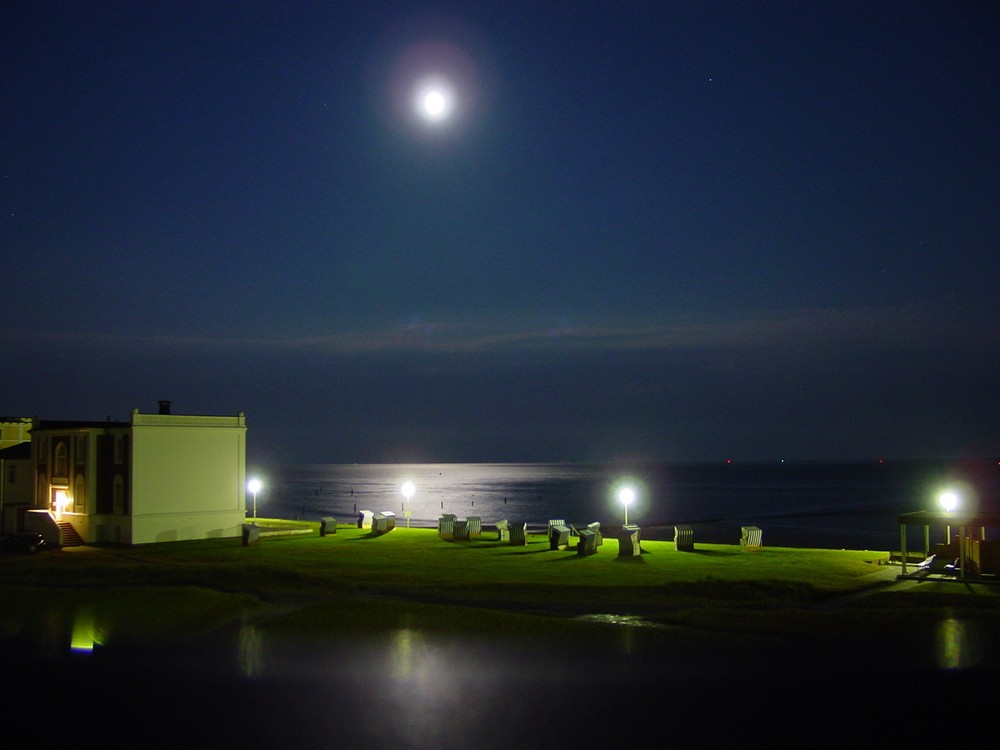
[119,495]
[43,451]
[61,460]
[81,449]
[80,495]
[119,451]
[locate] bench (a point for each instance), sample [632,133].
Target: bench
[328,526]
[937,564]
[461,530]
[684,538]
[380,524]
[365,519]
[751,538]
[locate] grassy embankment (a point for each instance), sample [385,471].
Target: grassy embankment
[351,582]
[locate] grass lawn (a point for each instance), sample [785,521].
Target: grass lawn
[309,586]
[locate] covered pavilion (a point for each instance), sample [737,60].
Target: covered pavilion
[976,555]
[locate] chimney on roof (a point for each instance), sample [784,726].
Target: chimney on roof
[164,407]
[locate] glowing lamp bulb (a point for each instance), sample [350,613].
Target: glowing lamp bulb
[626,496]
[949,501]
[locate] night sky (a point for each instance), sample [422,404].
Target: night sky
[677,231]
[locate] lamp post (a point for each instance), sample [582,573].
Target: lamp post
[407,490]
[948,501]
[626,496]
[254,486]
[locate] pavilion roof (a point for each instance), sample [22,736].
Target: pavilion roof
[954,518]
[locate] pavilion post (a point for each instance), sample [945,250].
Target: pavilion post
[961,550]
[902,544]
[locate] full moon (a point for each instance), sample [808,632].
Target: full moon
[435,86]
[434,104]
[434,99]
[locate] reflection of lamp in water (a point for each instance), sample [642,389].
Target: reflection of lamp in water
[627,496]
[948,501]
[254,486]
[84,635]
[407,490]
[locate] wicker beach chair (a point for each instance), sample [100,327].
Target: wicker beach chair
[751,538]
[518,534]
[684,538]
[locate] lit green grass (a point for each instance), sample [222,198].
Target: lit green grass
[418,562]
[353,582]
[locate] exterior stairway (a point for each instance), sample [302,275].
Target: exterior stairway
[68,536]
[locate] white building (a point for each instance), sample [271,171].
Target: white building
[157,478]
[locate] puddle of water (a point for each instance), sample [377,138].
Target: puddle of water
[629,620]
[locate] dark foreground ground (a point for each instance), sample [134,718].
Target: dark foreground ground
[429,694]
[246,687]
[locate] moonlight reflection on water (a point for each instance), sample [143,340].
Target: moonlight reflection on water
[411,688]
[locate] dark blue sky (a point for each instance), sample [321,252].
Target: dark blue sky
[685,231]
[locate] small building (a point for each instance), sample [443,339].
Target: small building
[16,486]
[14,430]
[155,478]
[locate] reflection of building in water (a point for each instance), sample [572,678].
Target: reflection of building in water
[155,478]
[250,646]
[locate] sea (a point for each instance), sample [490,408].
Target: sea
[832,504]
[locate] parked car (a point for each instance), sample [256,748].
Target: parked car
[24,542]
